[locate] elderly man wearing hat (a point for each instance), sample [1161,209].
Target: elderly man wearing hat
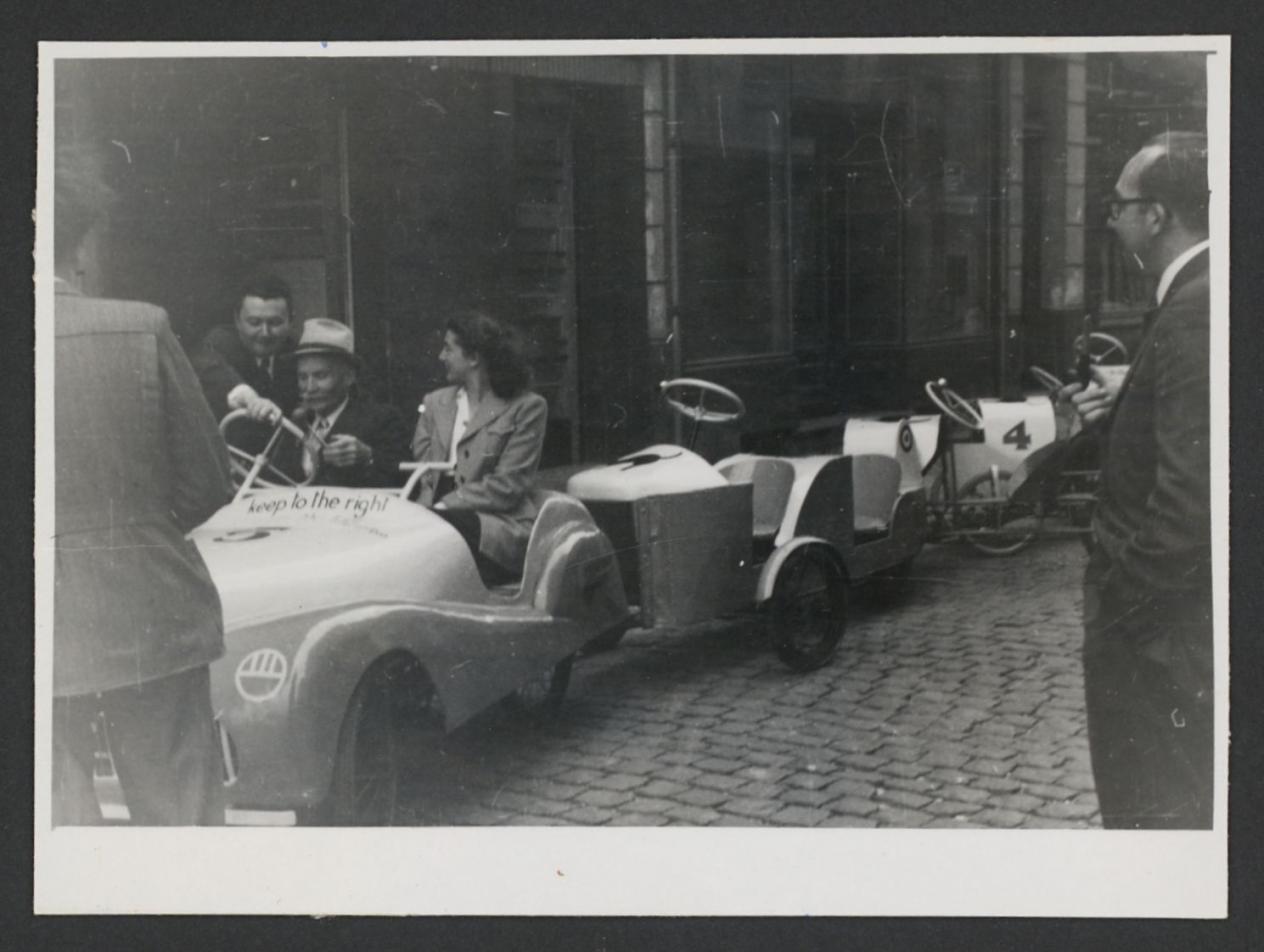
[355,440]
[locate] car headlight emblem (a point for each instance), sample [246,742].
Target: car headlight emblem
[260,674]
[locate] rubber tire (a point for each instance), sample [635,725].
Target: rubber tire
[541,697]
[788,610]
[392,719]
[998,548]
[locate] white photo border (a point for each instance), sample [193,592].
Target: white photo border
[566,871]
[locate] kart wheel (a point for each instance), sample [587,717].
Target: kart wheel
[542,696]
[1004,536]
[390,723]
[807,613]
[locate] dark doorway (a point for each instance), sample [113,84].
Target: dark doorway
[846,255]
[617,392]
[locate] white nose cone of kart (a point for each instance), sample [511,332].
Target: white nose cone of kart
[282,552]
[661,470]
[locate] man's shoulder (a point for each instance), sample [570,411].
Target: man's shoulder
[366,406]
[77,314]
[223,338]
[1188,306]
[221,342]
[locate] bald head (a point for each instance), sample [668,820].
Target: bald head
[1162,200]
[1172,169]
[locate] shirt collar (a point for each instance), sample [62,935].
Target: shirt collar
[1173,269]
[333,417]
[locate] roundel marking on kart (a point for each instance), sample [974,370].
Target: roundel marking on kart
[906,438]
[260,674]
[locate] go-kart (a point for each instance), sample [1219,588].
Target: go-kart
[1000,473]
[780,535]
[357,627]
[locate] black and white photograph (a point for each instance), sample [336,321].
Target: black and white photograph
[757,477]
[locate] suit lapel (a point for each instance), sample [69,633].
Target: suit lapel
[1194,267]
[442,411]
[491,407]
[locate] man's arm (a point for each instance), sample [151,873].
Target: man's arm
[390,446]
[1175,536]
[223,384]
[215,372]
[376,451]
[1093,402]
[199,459]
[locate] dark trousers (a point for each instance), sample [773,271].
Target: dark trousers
[1148,688]
[465,521]
[165,747]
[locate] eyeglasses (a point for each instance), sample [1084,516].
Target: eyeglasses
[1114,205]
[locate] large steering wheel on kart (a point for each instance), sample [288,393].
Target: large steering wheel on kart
[1051,382]
[247,469]
[698,412]
[1101,348]
[953,404]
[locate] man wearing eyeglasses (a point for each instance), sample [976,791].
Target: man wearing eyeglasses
[1147,588]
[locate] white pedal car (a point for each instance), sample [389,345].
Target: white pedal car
[781,534]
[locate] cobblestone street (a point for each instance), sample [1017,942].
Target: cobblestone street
[960,705]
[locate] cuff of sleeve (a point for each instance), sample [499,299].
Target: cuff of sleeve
[241,395]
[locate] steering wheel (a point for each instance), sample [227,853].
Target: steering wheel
[1102,348]
[699,413]
[247,468]
[953,404]
[1047,380]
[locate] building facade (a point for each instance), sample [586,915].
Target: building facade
[820,233]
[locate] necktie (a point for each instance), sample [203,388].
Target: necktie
[313,445]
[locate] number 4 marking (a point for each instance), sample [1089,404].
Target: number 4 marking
[1017,436]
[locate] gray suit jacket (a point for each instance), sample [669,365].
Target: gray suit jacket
[496,463]
[139,462]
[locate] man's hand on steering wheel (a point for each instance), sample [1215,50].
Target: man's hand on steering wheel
[263,410]
[250,470]
[260,409]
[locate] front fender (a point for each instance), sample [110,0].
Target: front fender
[580,581]
[474,655]
[768,574]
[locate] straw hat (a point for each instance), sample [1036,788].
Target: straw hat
[327,337]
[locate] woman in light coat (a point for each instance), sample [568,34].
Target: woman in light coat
[490,425]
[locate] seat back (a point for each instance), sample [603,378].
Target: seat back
[771,480]
[875,482]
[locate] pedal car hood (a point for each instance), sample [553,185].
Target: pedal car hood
[279,552]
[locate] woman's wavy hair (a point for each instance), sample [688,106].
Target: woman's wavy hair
[499,346]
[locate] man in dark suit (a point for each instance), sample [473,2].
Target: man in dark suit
[239,364]
[1147,590]
[355,441]
[136,618]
